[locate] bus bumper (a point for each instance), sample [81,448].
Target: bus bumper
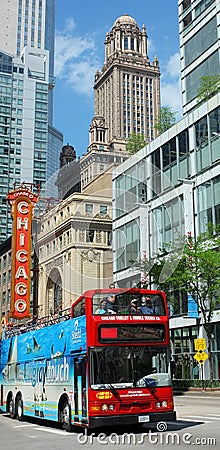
[151,418]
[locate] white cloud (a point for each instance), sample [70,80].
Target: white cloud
[173,66]
[75,60]
[150,46]
[81,77]
[171,85]
[171,96]
[70,24]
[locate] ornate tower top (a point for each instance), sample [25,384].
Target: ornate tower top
[126,38]
[125,19]
[67,155]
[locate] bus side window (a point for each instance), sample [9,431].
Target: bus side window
[158,305]
[80,308]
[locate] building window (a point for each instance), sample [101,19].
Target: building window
[214,122]
[103,210]
[202,6]
[187,20]
[90,234]
[209,66]
[204,206]
[125,43]
[186,4]
[89,208]
[201,41]
[127,244]
[216,188]
[202,153]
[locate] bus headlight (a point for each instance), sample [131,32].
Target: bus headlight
[111,407]
[104,407]
[163,404]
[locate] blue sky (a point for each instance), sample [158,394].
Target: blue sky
[80,34]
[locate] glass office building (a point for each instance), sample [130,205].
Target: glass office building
[29,144]
[168,188]
[199,45]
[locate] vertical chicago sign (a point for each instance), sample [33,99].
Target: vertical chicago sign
[22,202]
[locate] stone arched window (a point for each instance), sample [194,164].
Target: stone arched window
[54,292]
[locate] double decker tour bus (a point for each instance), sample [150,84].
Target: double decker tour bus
[107,364]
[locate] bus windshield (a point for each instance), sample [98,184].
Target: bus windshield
[122,367]
[128,303]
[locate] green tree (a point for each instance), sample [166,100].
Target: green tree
[190,266]
[135,142]
[209,86]
[165,120]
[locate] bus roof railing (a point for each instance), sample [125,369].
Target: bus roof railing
[35,323]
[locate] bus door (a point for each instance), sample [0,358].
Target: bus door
[80,390]
[39,385]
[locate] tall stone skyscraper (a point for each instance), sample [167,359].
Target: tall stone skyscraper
[29,144]
[127,90]
[126,98]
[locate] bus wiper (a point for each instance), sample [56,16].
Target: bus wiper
[151,384]
[111,387]
[114,390]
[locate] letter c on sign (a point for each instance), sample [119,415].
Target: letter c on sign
[23,207]
[19,256]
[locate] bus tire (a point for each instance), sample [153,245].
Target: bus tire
[19,409]
[65,415]
[11,407]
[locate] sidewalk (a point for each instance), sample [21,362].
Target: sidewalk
[210,392]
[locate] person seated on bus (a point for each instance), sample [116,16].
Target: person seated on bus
[133,308]
[111,305]
[102,308]
[83,309]
[158,305]
[146,306]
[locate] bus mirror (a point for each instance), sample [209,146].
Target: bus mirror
[78,368]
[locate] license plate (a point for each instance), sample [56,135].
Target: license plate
[143,419]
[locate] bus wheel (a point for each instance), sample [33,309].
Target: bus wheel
[11,408]
[20,409]
[66,416]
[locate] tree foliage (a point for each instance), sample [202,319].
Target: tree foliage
[135,142]
[209,86]
[165,120]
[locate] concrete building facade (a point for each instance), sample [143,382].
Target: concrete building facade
[74,246]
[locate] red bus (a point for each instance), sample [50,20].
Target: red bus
[107,365]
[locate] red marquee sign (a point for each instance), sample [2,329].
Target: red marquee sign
[22,202]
